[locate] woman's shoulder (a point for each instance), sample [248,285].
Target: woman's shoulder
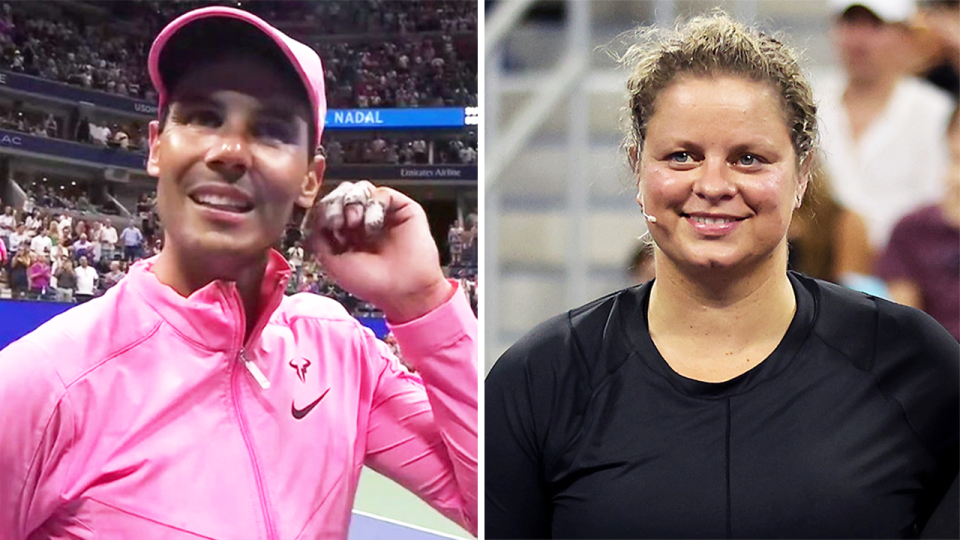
[908,355]
[576,342]
[847,317]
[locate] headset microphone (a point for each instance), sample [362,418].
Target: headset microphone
[648,217]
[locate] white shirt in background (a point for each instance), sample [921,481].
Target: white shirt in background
[41,244]
[86,279]
[108,235]
[8,224]
[900,161]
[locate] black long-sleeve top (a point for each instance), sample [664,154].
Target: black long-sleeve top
[848,429]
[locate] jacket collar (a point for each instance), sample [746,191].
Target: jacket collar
[212,317]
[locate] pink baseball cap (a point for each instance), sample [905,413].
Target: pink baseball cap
[175,48]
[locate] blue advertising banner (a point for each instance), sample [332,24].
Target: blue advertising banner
[447,117]
[15,142]
[74,94]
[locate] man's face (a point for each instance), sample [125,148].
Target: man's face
[866,46]
[232,159]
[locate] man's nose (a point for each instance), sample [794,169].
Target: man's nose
[230,156]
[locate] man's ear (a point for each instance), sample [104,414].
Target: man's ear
[312,182]
[153,160]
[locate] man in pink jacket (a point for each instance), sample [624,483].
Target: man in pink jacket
[195,400]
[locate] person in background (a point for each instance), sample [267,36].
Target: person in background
[132,239]
[295,258]
[83,248]
[33,222]
[108,240]
[112,277]
[455,243]
[87,278]
[66,280]
[828,241]
[94,234]
[53,232]
[922,262]
[41,244]
[882,129]
[310,284]
[4,256]
[8,224]
[19,239]
[38,275]
[19,280]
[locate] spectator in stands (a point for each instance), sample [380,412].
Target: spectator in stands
[66,280]
[83,131]
[83,248]
[295,258]
[38,275]
[33,222]
[41,244]
[50,126]
[455,242]
[99,134]
[108,240]
[19,239]
[53,231]
[19,281]
[8,224]
[310,284]
[132,240]
[112,277]
[922,261]
[87,279]
[882,131]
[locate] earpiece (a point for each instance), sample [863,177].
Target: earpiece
[646,216]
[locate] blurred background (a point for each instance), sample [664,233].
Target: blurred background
[562,224]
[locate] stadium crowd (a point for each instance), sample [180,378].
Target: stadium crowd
[46,254]
[402,150]
[409,63]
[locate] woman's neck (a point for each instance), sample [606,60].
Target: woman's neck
[720,323]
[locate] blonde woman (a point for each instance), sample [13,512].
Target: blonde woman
[727,398]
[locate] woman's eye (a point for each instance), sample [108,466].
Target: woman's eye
[680,157]
[748,160]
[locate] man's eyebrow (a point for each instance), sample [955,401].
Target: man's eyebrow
[284,111]
[189,98]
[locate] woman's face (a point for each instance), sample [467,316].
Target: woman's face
[719,173]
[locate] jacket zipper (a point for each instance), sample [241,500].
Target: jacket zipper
[254,370]
[244,430]
[261,491]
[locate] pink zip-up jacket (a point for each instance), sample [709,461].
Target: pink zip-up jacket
[137,415]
